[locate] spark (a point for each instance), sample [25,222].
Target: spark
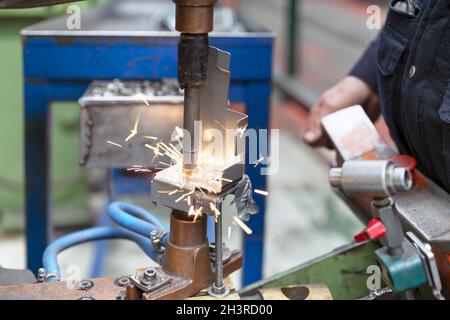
[143,170]
[257,162]
[179,131]
[226,180]
[150,137]
[262,192]
[155,151]
[168,151]
[163,163]
[176,150]
[164,191]
[191,211]
[114,143]
[242,130]
[198,213]
[145,100]
[214,209]
[189,200]
[241,224]
[134,132]
[229,233]
[183,196]
[171,193]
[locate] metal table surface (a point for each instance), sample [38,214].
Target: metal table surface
[117,41]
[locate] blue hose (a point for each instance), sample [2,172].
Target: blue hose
[134,218]
[136,223]
[92,234]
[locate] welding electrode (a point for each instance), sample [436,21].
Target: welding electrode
[194,19]
[192,68]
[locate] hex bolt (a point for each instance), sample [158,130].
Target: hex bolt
[85,285]
[148,276]
[122,281]
[42,274]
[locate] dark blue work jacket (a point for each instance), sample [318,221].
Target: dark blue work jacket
[409,66]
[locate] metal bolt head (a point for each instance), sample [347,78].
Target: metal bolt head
[85,284]
[216,291]
[148,276]
[42,274]
[122,281]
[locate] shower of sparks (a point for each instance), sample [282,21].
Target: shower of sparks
[241,224]
[261,192]
[134,132]
[229,233]
[197,213]
[155,151]
[171,152]
[257,162]
[114,143]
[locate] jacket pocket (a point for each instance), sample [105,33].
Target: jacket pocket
[390,51]
[444,114]
[444,110]
[413,7]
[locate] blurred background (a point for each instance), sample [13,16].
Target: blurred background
[317,42]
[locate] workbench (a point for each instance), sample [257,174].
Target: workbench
[59,64]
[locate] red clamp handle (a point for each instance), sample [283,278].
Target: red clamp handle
[374,230]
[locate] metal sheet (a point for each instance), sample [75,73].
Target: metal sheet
[227,161]
[112,116]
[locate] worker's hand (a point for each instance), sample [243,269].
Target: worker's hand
[348,92]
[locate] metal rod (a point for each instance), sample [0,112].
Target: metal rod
[218,289]
[190,116]
[292,28]
[219,242]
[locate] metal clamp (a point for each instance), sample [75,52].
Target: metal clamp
[150,280]
[429,262]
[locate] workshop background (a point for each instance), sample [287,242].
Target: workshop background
[317,43]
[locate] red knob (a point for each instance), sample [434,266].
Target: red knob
[374,230]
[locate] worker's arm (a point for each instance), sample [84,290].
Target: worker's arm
[358,88]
